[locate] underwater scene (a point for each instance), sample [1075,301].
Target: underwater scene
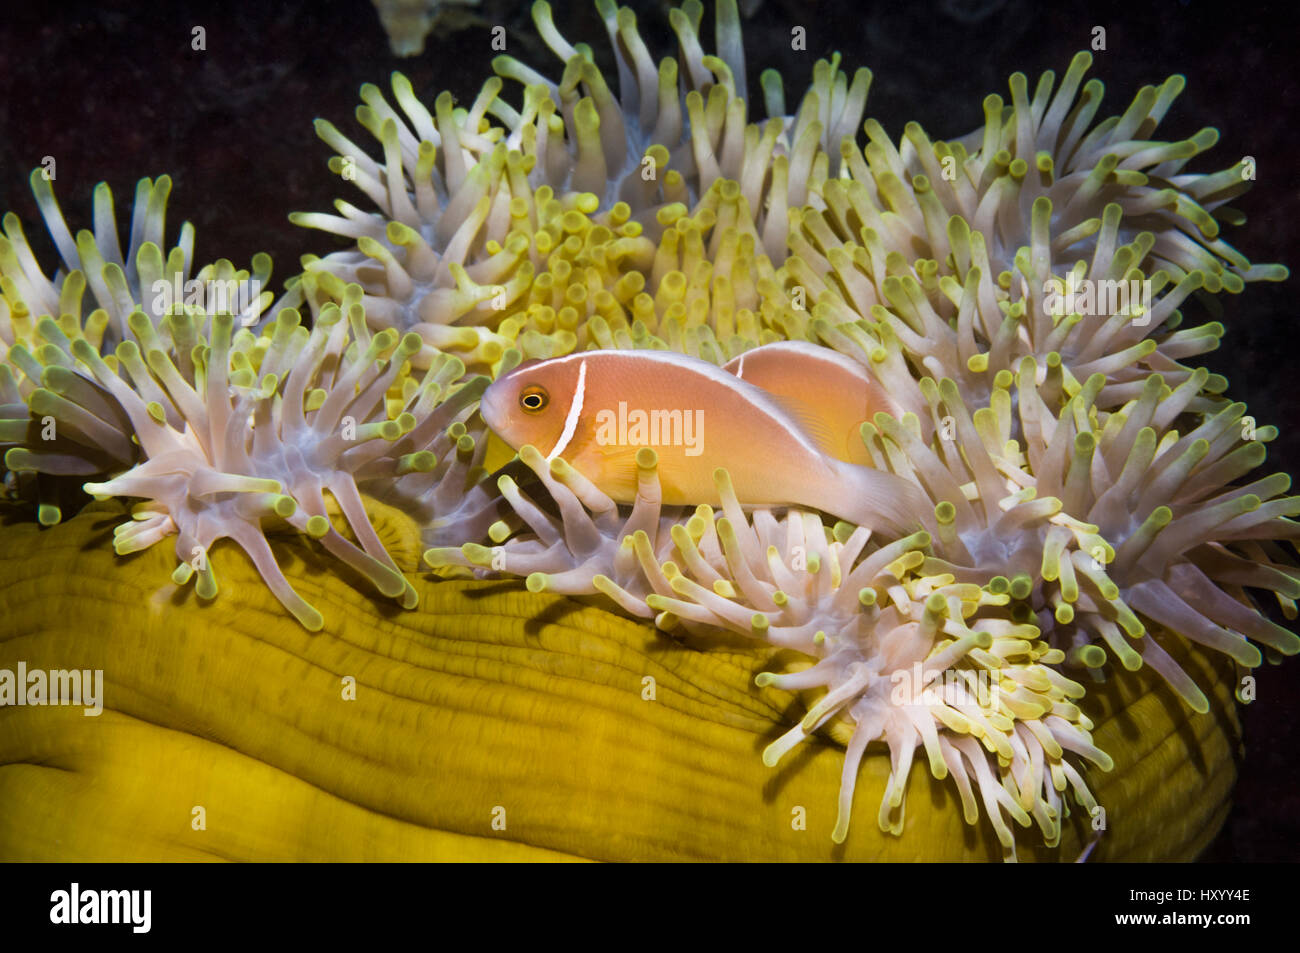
[753,430]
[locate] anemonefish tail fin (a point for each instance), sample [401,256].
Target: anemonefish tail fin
[882,501]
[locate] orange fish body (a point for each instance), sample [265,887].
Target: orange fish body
[828,394]
[595,409]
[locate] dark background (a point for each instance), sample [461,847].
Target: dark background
[114,92]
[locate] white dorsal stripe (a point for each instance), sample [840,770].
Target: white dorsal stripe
[814,352]
[575,411]
[758,398]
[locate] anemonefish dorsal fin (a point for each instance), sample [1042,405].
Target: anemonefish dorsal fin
[828,394]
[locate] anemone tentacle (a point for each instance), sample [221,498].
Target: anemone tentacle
[1093,498]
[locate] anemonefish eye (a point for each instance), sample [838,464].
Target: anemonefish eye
[534,399]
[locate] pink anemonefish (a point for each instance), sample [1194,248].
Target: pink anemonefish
[595,409]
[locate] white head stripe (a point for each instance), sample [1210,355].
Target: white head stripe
[575,411]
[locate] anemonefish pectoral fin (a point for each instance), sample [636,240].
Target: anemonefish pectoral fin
[612,467]
[498,453]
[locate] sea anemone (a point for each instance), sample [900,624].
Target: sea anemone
[971,250]
[1091,518]
[56,422]
[610,146]
[636,747]
[576,199]
[304,414]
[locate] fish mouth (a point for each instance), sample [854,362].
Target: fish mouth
[492,407]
